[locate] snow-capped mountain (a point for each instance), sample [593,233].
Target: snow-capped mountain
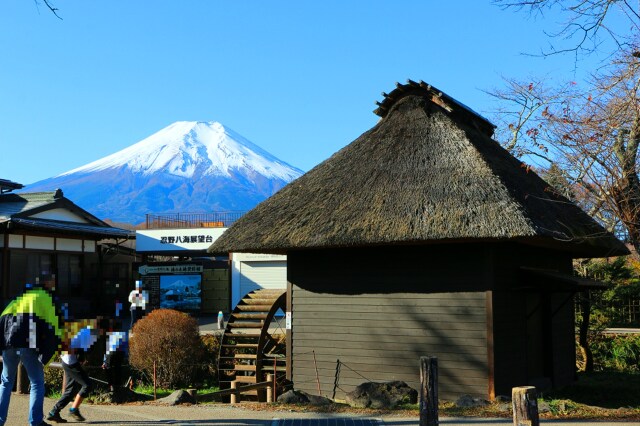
[185,167]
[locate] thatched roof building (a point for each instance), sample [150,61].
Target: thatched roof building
[427,172]
[425,237]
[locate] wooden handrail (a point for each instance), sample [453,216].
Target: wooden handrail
[237,391]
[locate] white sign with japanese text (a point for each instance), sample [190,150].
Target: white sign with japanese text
[178,239]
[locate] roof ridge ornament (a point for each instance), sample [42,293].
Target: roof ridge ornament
[8,186]
[453,107]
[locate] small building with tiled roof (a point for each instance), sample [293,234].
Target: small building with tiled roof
[45,236]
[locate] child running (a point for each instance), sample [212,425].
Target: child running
[78,384]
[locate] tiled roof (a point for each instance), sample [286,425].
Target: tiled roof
[72,227]
[16,208]
[11,204]
[7,185]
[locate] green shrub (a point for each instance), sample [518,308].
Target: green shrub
[610,307]
[53,380]
[171,340]
[616,353]
[600,389]
[209,370]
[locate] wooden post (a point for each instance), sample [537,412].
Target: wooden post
[275,373]
[317,376]
[275,389]
[233,396]
[429,391]
[154,381]
[269,390]
[525,406]
[22,382]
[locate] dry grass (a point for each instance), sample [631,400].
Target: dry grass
[560,409]
[596,396]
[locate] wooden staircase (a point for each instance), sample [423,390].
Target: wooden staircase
[253,343]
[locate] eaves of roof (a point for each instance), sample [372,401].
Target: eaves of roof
[8,186]
[541,279]
[73,228]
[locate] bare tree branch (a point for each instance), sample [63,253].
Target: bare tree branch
[585,20]
[50,6]
[588,137]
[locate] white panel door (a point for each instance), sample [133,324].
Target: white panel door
[266,274]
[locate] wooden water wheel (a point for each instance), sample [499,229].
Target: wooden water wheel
[253,343]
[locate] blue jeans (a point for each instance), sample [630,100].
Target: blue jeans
[35,370]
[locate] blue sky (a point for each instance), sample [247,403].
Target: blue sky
[298,78]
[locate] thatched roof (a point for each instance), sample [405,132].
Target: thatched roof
[428,172]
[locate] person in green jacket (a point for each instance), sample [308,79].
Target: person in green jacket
[31,333]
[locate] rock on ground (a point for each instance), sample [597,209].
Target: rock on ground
[120,396]
[467,401]
[177,397]
[300,397]
[381,395]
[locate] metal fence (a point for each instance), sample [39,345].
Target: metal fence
[192,220]
[620,312]
[626,311]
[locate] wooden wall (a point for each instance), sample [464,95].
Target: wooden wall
[534,337]
[377,311]
[216,291]
[563,339]
[510,342]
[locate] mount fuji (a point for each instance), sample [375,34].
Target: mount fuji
[190,167]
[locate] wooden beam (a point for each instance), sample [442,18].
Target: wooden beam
[288,332]
[237,391]
[490,347]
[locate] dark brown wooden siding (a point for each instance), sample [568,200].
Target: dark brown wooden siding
[510,341]
[368,315]
[534,337]
[564,346]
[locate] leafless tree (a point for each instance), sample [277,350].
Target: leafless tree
[585,140]
[586,143]
[587,22]
[590,137]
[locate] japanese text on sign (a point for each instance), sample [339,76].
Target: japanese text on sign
[169,269]
[186,239]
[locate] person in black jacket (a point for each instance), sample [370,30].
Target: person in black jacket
[115,355]
[82,335]
[31,334]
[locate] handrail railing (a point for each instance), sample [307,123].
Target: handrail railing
[192,220]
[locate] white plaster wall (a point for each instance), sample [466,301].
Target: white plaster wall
[40,243]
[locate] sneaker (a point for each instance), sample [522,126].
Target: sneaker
[75,415]
[56,418]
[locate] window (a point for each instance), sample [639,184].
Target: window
[39,267]
[69,275]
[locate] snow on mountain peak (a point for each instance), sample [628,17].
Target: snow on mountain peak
[186,147]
